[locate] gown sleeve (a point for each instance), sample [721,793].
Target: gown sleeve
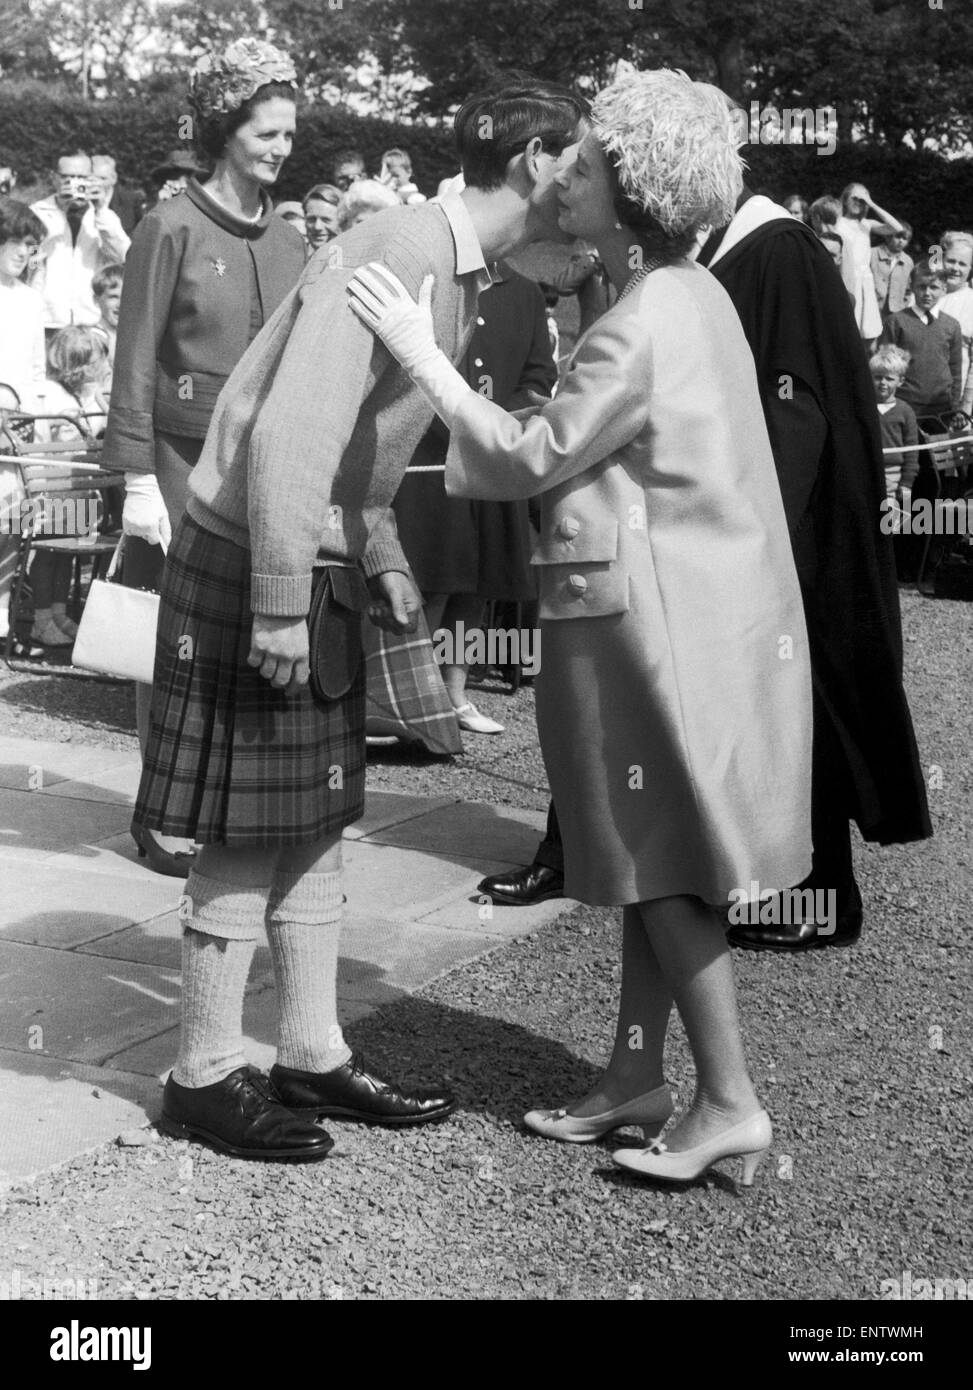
[602,405]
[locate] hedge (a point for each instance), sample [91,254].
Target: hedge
[933,194]
[37,123]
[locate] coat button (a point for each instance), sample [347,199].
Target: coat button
[478,362]
[577,583]
[569,528]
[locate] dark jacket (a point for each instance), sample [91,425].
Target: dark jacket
[819,404]
[199,285]
[126,204]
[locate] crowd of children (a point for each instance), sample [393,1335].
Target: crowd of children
[63,378]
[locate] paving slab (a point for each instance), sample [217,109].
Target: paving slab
[381,960]
[67,907]
[400,884]
[118,786]
[51,1111]
[158,941]
[74,1007]
[34,826]
[155,1056]
[386,809]
[477,833]
[25,762]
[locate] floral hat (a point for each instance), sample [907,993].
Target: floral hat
[222,82]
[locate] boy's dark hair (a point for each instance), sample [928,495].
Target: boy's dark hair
[925,267]
[107,279]
[212,132]
[19,223]
[491,128]
[347,157]
[325,192]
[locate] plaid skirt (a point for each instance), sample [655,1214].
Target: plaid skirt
[230,760]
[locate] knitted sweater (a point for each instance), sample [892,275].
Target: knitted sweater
[899,428]
[313,432]
[934,377]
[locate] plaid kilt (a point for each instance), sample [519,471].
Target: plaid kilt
[405,694]
[230,760]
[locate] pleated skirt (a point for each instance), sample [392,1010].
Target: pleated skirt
[230,760]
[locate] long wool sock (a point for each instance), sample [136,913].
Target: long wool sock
[217,950]
[303,927]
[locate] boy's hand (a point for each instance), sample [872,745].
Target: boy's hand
[279,648]
[397,604]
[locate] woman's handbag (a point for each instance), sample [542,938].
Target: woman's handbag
[116,635]
[339,599]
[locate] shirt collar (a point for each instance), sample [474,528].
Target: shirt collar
[469,253]
[927,317]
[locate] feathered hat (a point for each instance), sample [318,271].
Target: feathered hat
[674,145]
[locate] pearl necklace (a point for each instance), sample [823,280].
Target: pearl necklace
[639,275]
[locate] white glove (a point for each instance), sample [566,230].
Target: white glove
[385,306]
[144,513]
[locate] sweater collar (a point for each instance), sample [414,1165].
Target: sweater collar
[216,212]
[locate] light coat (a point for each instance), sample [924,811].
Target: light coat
[674,697]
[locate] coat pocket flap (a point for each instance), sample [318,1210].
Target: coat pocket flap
[570,539]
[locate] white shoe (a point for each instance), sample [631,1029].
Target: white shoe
[470,718]
[50,635]
[749,1140]
[66,625]
[650,1111]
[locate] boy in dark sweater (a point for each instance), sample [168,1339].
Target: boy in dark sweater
[888,366]
[934,377]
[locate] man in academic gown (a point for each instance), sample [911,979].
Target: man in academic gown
[819,405]
[820,409]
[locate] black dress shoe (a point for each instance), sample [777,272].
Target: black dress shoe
[241,1115]
[795,936]
[523,887]
[352,1093]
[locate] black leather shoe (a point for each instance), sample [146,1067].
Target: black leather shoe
[523,887]
[795,936]
[241,1115]
[352,1093]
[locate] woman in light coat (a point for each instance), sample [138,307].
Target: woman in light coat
[674,697]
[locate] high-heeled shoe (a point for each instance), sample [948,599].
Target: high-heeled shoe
[749,1140]
[650,1111]
[163,861]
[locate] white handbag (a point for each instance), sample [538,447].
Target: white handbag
[116,635]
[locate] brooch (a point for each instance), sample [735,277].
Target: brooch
[219,265]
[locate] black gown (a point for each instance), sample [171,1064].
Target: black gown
[824,429]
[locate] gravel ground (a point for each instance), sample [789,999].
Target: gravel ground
[862,1057]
